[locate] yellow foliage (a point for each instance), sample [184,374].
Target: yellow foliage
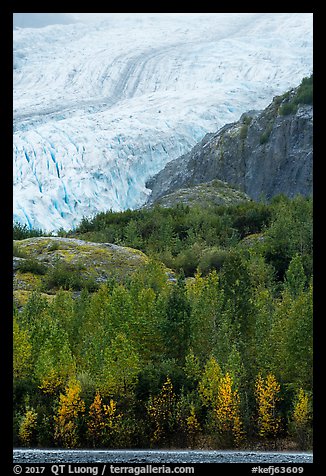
[71,406]
[227,410]
[160,410]
[301,420]
[50,384]
[301,413]
[95,423]
[110,413]
[103,419]
[193,425]
[27,427]
[267,397]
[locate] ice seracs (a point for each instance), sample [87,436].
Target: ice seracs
[101,107]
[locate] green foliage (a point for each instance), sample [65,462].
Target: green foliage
[17,252]
[66,276]
[120,367]
[303,95]
[31,265]
[212,258]
[176,325]
[95,364]
[289,233]
[288,108]
[22,351]
[27,427]
[265,135]
[181,236]
[243,131]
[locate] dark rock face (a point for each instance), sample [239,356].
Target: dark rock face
[263,154]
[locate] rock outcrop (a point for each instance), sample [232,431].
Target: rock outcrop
[263,154]
[90,261]
[205,194]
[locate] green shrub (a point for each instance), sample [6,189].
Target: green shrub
[243,131]
[288,108]
[247,120]
[303,95]
[212,258]
[305,92]
[32,265]
[17,252]
[265,135]
[68,277]
[53,246]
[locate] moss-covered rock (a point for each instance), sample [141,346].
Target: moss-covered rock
[91,262]
[215,192]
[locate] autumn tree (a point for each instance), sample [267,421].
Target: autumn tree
[300,420]
[161,411]
[103,421]
[227,412]
[192,425]
[27,428]
[67,420]
[267,396]
[188,425]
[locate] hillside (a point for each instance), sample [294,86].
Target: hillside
[264,153]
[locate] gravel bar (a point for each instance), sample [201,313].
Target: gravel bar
[155,456]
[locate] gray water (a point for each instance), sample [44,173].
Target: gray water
[156,456]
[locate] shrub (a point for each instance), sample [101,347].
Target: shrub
[265,135]
[17,252]
[243,131]
[305,92]
[53,246]
[68,277]
[212,258]
[32,265]
[288,108]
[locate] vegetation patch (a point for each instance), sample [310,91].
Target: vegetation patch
[31,265]
[68,277]
[301,95]
[266,134]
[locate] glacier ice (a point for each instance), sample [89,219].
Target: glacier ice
[100,107]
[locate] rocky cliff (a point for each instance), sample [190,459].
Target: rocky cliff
[263,154]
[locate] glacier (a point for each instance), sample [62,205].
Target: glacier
[100,107]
